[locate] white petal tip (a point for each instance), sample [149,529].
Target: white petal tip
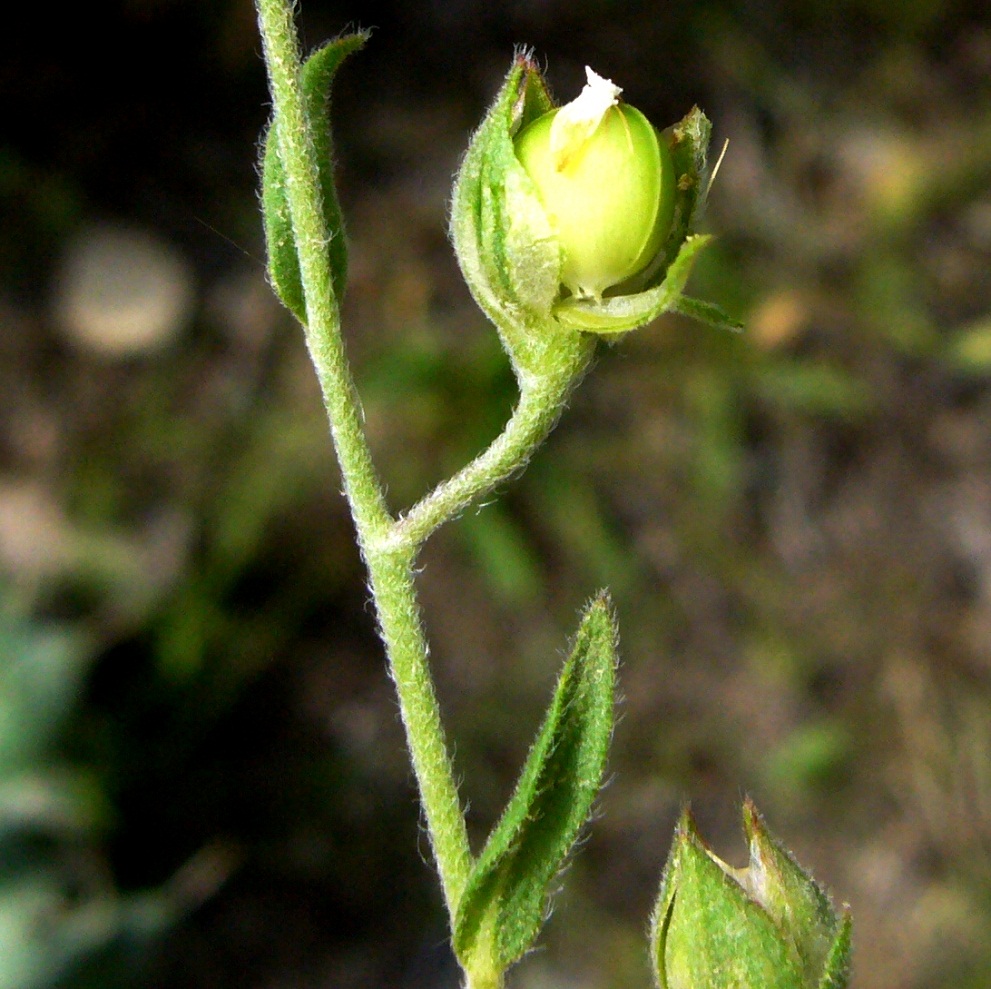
[576,121]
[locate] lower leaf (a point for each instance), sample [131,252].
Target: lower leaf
[505,901]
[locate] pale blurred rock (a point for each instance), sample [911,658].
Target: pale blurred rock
[122,291]
[34,533]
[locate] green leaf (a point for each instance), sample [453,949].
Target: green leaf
[504,903]
[283,261]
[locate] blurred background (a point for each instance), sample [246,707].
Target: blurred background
[202,774]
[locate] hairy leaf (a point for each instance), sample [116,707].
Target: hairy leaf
[505,901]
[283,260]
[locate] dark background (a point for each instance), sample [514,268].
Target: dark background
[202,776]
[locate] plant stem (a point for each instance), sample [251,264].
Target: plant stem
[392,586]
[541,402]
[487,980]
[323,333]
[390,572]
[389,547]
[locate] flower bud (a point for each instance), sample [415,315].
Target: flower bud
[577,220]
[768,926]
[606,180]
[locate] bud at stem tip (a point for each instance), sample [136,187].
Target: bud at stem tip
[606,180]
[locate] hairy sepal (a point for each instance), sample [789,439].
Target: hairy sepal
[507,250]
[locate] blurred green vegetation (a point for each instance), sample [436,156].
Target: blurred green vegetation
[202,778]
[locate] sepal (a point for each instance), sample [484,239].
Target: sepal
[768,926]
[501,235]
[622,313]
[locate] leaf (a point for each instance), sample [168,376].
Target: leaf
[504,903]
[283,261]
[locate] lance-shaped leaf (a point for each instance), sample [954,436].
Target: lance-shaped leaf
[283,260]
[505,901]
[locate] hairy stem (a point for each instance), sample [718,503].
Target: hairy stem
[391,576]
[542,400]
[485,980]
[390,573]
[389,546]
[323,332]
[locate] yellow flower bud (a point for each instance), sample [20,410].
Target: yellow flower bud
[606,180]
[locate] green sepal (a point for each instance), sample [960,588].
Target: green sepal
[836,974]
[505,901]
[317,77]
[791,897]
[706,312]
[622,313]
[689,144]
[502,238]
[767,926]
[707,933]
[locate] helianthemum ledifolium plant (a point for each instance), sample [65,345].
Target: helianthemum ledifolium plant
[570,224]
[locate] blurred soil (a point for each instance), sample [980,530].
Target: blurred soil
[795,523]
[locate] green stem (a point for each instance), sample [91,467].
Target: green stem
[542,400]
[389,546]
[390,572]
[485,980]
[391,575]
[323,332]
